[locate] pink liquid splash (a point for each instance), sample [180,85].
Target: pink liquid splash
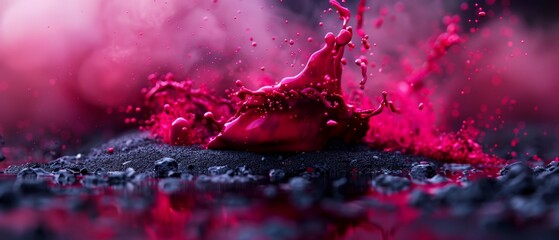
[307,111]
[184,116]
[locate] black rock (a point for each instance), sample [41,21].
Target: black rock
[342,210]
[186,176]
[141,177]
[302,199]
[341,187]
[447,195]
[464,200]
[276,175]
[8,198]
[390,184]
[529,208]
[242,171]
[271,191]
[554,217]
[130,173]
[41,172]
[422,172]
[538,170]
[517,179]
[100,172]
[190,167]
[58,164]
[2,157]
[496,217]
[27,174]
[340,183]
[116,178]
[65,177]
[456,167]
[420,199]
[482,190]
[237,175]
[298,183]
[519,186]
[344,188]
[548,190]
[315,171]
[552,169]
[94,181]
[552,166]
[472,195]
[183,176]
[438,179]
[173,174]
[277,229]
[202,181]
[218,170]
[165,165]
[515,169]
[40,231]
[35,188]
[169,185]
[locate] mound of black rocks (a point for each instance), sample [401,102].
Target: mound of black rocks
[343,187]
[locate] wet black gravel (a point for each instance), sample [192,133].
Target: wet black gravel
[344,186]
[146,155]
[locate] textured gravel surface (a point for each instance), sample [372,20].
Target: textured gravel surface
[343,192]
[140,152]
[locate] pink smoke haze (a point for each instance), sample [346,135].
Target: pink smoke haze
[65,64]
[69,68]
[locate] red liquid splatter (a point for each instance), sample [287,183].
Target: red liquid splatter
[184,115]
[360,11]
[305,112]
[415,132]
[439,48]
[300,113]
[345,14]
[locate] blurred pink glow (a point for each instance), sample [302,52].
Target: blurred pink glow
[64,64]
